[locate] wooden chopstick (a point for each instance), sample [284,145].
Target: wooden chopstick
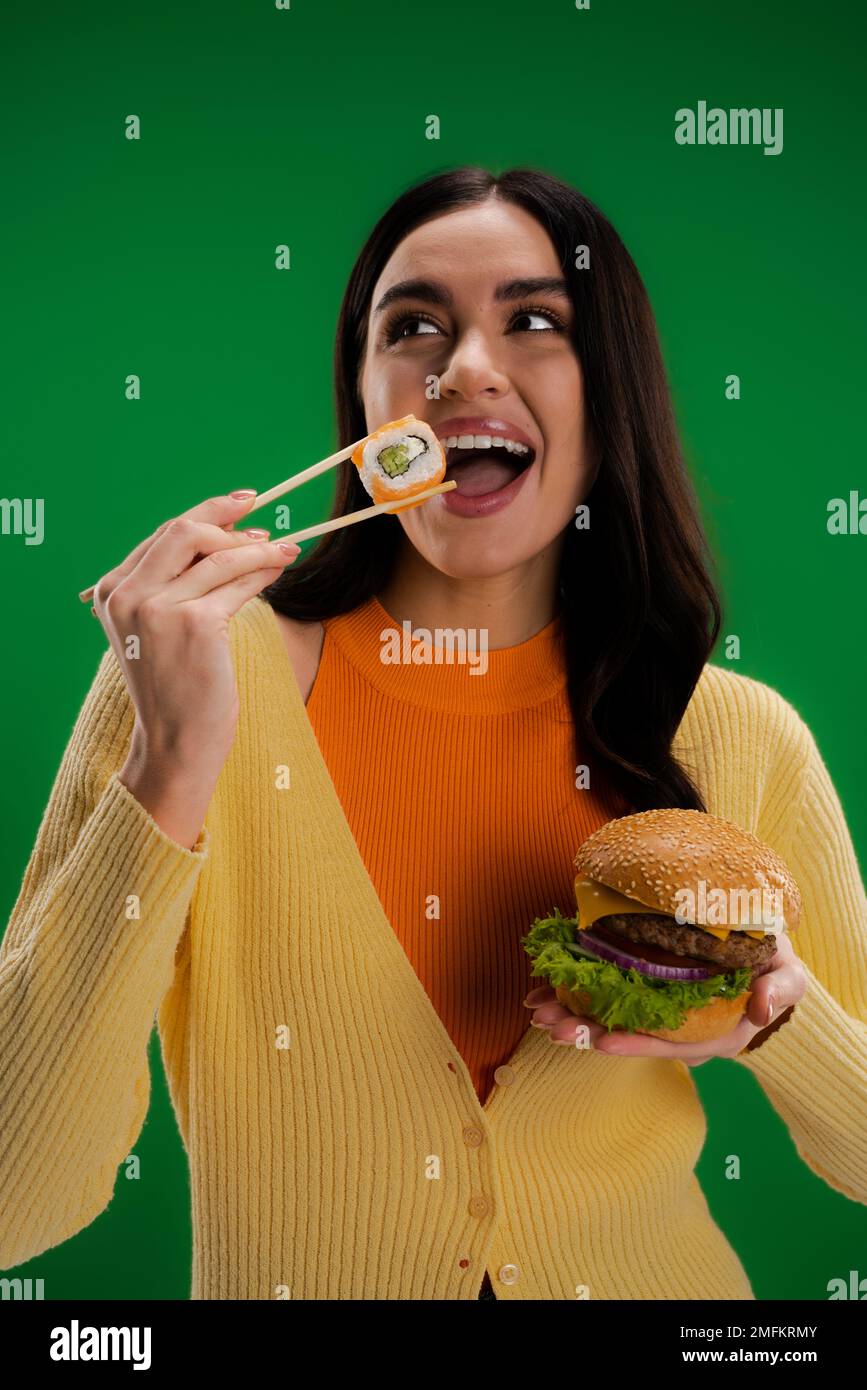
[305,475]
[337,522]
[295,481]
[350,519]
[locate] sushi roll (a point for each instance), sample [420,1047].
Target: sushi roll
[400,459]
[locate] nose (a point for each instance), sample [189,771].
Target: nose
[472,370]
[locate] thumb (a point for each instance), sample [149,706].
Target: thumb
[227,599]
[762,996]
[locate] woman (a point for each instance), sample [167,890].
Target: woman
[318,869]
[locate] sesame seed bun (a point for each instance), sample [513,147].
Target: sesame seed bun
[711,1021]
[651,855]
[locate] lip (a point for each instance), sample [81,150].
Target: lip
[486,502]
[483,424]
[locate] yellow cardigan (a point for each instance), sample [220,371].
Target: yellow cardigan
[337,1147]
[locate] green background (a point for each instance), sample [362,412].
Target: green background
[156,257]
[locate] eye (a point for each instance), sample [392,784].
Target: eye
[404,326]
[394,328]
[554,323]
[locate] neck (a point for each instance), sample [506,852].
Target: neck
[512,606]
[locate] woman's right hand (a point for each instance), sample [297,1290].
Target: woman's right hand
[176,593]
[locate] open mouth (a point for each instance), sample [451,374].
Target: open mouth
[480,468]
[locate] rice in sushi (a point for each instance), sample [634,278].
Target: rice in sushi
[400,459]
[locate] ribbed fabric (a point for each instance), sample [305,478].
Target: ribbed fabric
[459,790]
[337,1146]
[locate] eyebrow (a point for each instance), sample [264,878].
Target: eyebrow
[432,292]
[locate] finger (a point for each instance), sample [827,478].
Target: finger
[234,538]
[226,511]
[776,989]
[623,1044]
[619,1043]
[175,552]
[543,995]
[552,1012]
[226,565]
[576,1029]
[228,598]
[112,577]
[762,1000]
[110,580]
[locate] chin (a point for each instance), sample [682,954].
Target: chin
[461,558]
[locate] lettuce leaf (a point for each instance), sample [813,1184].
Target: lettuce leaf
[620,998]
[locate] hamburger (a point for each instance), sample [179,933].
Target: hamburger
[677,912]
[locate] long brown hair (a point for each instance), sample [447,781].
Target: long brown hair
[640,613]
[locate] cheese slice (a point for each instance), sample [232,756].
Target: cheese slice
[722,932]
[595,900]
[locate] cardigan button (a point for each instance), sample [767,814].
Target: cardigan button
[479,1205]
[472,1136]
[504,1076]
[509,1274]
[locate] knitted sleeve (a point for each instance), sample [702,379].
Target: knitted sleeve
[814,1068]
[86,958]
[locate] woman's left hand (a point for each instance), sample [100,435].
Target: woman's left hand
[782,981]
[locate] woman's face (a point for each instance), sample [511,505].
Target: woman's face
[502,355]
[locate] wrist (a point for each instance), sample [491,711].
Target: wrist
[171,768]
[176,801]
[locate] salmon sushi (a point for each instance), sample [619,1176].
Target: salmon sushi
[400,459]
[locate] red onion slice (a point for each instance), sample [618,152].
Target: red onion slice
[646,967]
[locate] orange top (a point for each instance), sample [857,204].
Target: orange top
[457,780]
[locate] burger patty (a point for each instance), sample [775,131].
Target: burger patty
[737,950]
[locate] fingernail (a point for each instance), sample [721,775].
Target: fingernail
[772,1004]
[255,531]
[290,548]
[243,492]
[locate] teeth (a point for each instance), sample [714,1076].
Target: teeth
[483,441]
